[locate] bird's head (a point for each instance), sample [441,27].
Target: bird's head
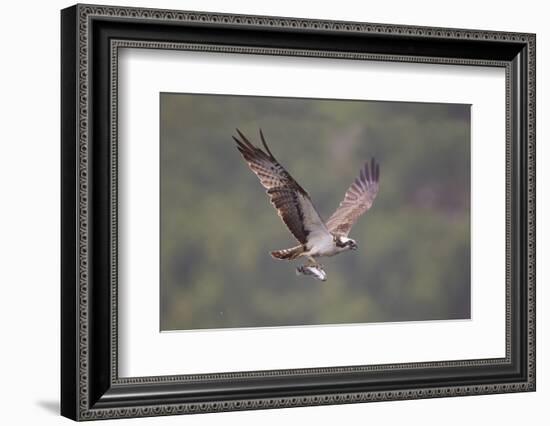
[345,242]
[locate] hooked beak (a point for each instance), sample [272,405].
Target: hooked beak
[353,246]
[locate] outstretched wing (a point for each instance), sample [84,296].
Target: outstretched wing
[292,202]
[358,199]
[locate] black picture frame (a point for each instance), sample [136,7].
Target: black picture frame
[90,386]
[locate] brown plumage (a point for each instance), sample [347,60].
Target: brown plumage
[292,202]
[288,254]
[295,208]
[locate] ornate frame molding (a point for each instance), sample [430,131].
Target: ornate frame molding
[87,403]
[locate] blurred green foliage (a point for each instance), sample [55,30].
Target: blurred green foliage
[217,225]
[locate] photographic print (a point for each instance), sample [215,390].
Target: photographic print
[292,212]
[346,208]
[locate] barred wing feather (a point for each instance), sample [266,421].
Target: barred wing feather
[358,199]
[292,202]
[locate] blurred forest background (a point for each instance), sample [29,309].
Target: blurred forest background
[217,225]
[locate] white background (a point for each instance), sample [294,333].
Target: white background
[29,225]
[146,352]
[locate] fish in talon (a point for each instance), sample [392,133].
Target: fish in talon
[315,271]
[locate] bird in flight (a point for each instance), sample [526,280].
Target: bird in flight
[317,238]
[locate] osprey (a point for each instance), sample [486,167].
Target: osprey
[317,238]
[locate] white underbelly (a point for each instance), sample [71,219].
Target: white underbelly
[324,247]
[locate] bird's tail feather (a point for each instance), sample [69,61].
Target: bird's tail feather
[288,254]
